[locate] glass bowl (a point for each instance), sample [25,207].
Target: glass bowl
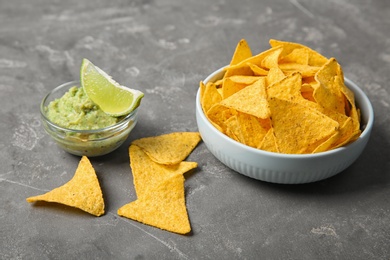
[284,168]
[86,142]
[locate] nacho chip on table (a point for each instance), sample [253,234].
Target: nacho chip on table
[169,148]
[147,174]
[158,183]
[82,191]
[164,207]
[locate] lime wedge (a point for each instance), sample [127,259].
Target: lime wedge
[111,97]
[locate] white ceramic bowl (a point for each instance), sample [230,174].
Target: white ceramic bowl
[284,168]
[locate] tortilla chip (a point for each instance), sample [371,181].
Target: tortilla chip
[297,127]
[274,75]
[163,208]
[298,55]
[251,100]
[202,88]
[210,96]
[315,58]
[252,129]
[244,68]
[307,92]
[233,130]
[241,53]
[218,114]
[160,193]
[169,148]
[305,70]
[269,143]
[82,191]
[289,88]
[229,87]
[147,174]
[272,59]
[257,71]
[234,84]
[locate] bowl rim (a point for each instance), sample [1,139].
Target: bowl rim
[364,134]
[91,131]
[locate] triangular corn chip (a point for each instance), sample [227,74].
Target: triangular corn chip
[210,96]
[269,143]
[148,174]
[169,148]
[164,208]
[314,59]
[241,53]
[251,100]
[82,191]
[297,127]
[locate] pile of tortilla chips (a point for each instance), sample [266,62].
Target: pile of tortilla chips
[288,99]
[158,167]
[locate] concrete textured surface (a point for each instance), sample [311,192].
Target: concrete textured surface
[165,48]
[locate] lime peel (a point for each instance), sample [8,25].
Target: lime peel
[110,96]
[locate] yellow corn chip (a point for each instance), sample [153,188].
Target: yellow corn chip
[253,129]
[244,68]
[297,127]
[229,87]
[160,192]
[305,70]
[315,58]
[82,191]
[233,129]
[257,71]
[202,88]
[251,100]
[269,143]
[307,91]
[234,84]
[298,55]
[210,96]
[274,75]
[241,53]
[289,88]
[272,59]
[218,114]
[328,92]
[169,148]
[147,174]
[163,208]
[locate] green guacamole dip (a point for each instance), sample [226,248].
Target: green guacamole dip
[74,110]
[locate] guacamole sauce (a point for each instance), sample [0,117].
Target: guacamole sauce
[74,110]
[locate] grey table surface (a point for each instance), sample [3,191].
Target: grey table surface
[165,48]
